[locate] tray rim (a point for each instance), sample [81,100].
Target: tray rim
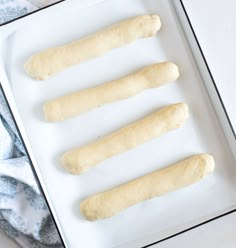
[20,129]
[208,68]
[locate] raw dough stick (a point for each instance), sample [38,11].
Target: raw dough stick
[81,159]
[46,63]
[76,103]
[160,182]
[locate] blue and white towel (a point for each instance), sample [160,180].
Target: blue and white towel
[24,215]
[11,9]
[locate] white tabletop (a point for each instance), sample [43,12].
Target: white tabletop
[5,242]
[214,22]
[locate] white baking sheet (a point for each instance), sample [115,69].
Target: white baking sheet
[153,219]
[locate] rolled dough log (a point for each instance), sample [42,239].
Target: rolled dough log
[76,103]
[53,60]
[182,174]
[82,159]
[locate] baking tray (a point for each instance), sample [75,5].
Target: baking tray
[207,130]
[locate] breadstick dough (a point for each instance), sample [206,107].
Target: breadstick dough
[76,103]
[53,60]
[182,174]
[82,159]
